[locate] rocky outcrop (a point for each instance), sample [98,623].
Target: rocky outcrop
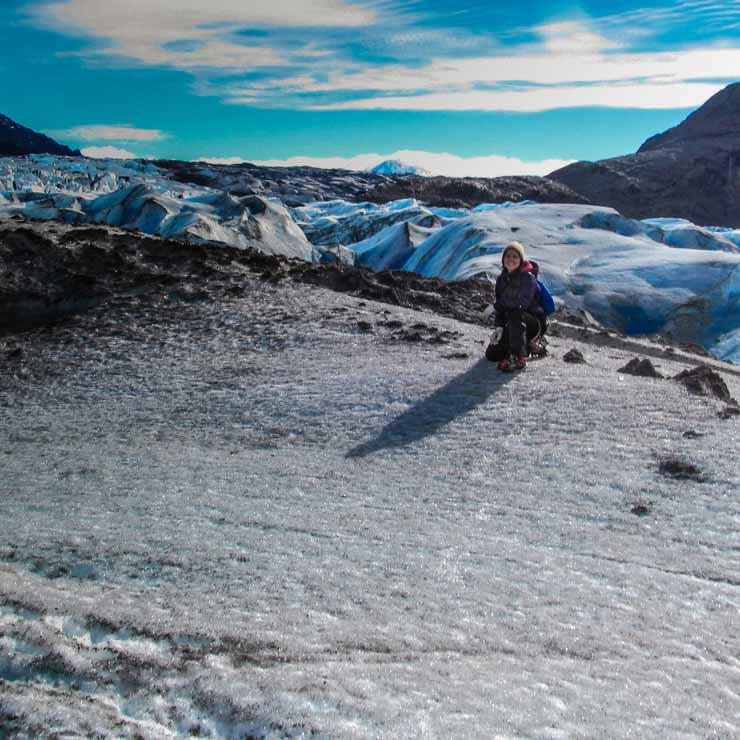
[17,140]
[691,171]
[296,186]
[468,192]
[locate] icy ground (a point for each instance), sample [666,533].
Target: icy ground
[299,513]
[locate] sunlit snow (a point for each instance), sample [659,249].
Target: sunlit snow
[255,520]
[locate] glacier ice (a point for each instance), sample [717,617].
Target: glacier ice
[628,274]
[658,274]
[136,196]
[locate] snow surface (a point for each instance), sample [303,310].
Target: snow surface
[255,518]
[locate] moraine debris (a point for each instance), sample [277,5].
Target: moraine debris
[574,356]
[643,368]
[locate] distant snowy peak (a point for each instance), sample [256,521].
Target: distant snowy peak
[17,140]
[397,167]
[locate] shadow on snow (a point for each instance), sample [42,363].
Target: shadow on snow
[461,395]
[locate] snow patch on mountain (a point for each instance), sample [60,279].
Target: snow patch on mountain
[397,167]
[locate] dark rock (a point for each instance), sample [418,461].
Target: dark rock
[189,294]
[691,434]
[729,412]
[17,140]
[574,356]
[704,381]
[456,356]
[410,336]
[691,170]
[467,192]
[448,335]
[364,326]
[680,470]
[644,368]
[641,509]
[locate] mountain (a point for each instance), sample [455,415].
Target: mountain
[691,171]
[17,140]
[396,167]
[468,192]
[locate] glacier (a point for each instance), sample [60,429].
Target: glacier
[137,196]
[663,275]
[640,277]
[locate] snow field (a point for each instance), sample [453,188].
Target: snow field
[253,518]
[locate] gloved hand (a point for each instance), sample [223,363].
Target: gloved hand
[488,312]
[496,335]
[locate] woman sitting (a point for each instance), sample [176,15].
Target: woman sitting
[519,315]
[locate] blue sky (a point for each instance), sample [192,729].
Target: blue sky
[484,88]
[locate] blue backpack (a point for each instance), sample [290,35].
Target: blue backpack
[546,300]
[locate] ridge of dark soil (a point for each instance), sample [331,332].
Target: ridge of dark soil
[50,271]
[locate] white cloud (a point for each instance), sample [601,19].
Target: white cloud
[222,160]
[107,152]
[194,35]
[568,54]
[572,65]
[635,95]
[112,132]
[569,63]
[449,165]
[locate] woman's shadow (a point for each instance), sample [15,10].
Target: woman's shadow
[461,395]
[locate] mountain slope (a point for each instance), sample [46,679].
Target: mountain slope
[691,171]
[17,140]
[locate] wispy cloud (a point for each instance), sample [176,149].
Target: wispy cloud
[110,132]
[373,54]
[193,35]
[570,65]
[107,152]
[437,163]
[708,15]
[635,95]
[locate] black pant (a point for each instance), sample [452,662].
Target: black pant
[520,328]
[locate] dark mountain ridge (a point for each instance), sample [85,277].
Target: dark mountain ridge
[17,140]
[691,171]
[298,185]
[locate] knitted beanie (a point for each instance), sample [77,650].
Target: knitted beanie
[517,247]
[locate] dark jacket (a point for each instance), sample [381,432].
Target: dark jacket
[517,290]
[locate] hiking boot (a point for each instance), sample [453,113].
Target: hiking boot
[520,363]
[505,364]
[537,347]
